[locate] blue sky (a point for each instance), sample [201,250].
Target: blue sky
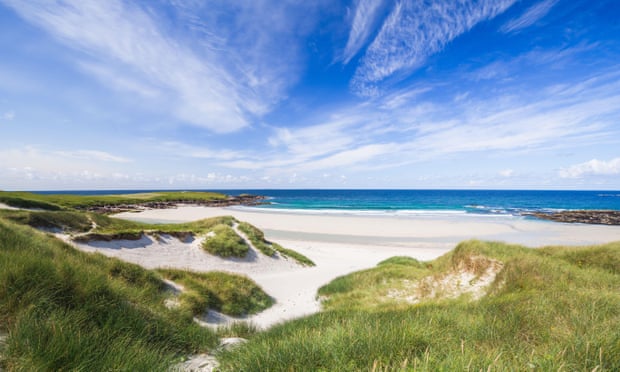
[196,94]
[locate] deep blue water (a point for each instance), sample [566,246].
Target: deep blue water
[493,202]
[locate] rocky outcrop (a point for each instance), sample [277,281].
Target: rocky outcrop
[600,217]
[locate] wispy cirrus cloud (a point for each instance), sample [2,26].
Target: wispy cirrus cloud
[402,129]
[221,82]
[180,149]
[366,12]
[93,155]
[532,15]
[35,156]
[415,30]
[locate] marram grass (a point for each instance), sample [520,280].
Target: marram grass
[555,308]
[228,293]
[257,237]
[68,310]
[225,242]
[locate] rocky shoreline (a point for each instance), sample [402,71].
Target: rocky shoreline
[247,200]
[595,217]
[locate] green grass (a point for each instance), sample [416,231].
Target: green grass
[556,308]
[66,221]
[109,228]
[68,310]
[230,294]
[225,243]
[22,199]
[300,258]
[257,237]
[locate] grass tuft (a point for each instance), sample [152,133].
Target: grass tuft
[225,243]
[228,293]
[300,258]
[257,238]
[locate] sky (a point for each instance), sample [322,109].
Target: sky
[225,94]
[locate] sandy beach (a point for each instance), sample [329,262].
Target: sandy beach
[337,243]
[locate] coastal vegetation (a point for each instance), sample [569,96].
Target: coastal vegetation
[87,226]
[22,199]
[63,309]
[555,308]
[257,237]
[227,293]
[223,241]
[482,306]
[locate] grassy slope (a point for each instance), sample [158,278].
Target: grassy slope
[257,237]
[65,310]
[22,199]
[225,243]
[555,308]
[59,213]
[108,228]
[231,294]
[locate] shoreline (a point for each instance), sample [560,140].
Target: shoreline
[384,229]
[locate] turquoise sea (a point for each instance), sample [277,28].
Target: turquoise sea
[411,202]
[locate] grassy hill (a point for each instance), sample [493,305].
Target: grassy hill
[63,309]
[556,308]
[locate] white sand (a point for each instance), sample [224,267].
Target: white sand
[4,206]
[338,244]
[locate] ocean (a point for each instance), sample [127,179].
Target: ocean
[412,202]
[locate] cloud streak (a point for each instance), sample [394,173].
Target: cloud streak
[363,23]
[412,32]
[529,17]
[402,129]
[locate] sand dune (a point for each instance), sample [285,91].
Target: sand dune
[338,244]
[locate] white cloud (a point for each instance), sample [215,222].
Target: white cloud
[93,155]
[506,173]
[530,16]
[9,115]
[193,151]
[364,20]
[593,167]
[33,157]
[415,30]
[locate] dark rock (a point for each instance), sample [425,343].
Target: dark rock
[598,217]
